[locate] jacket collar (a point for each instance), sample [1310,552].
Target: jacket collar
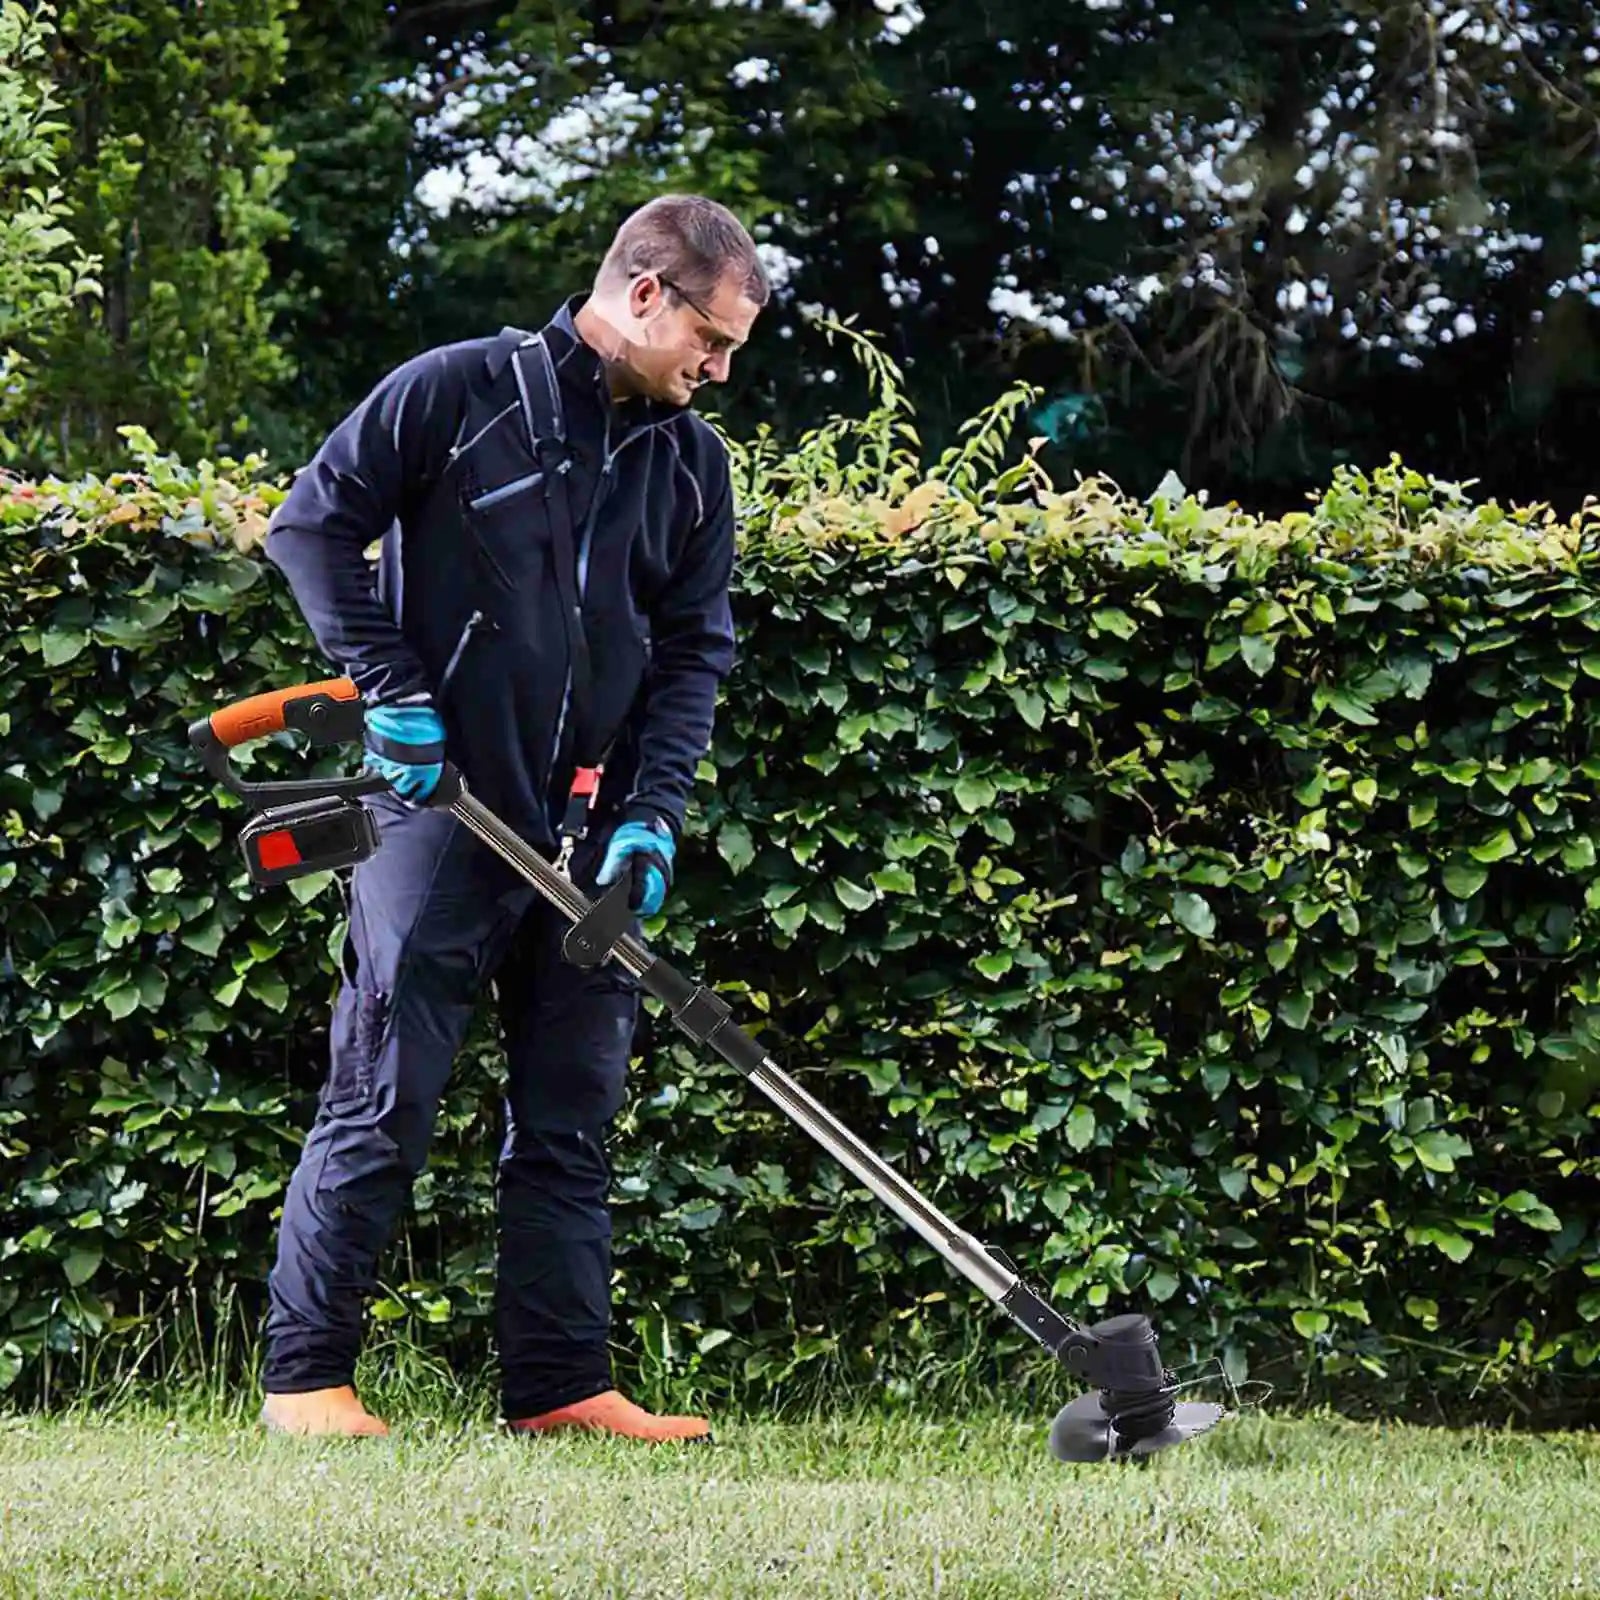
[579,367]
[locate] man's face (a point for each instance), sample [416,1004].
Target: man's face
[673,343]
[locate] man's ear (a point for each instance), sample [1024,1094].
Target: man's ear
[645,296]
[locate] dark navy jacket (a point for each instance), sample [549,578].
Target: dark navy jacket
[437,464]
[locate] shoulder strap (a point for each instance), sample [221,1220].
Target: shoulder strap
[545,420]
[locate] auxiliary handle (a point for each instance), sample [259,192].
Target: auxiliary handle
[328,712]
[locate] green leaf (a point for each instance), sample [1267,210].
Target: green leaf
[701,1216]
[1080,1127]
[1112,619]
[735,845]
[268,988]
[1295,1009]
[894,880]
[1447,1241]
[1411,862]
[122,1001]
[852,729]
[852,896]
[1437,1150]
[1350,708]
[306,889]
[1530,1209]
[1162,1284]
[1234,1182]
[1194,913]
[1308,1324]
[1577,853]
[81,1263]
[207,938]
[1258,651]
[61,645]
[994,965]
[1495,848]
[1030,706]
[973,794]
[1464,880]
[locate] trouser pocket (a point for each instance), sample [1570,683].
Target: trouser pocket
[360,1016]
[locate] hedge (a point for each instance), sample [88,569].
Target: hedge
[1203,908]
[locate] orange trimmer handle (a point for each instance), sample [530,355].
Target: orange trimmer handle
[328,712]
[331,711]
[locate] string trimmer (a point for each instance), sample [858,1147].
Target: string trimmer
[318,825]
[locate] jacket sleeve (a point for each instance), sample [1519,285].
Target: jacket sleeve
[693,642]
[373,465]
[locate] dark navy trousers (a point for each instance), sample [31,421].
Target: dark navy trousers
[435,918]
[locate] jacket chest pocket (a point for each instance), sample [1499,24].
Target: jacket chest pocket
[509,528]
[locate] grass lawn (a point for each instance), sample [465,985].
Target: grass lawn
[157,1505]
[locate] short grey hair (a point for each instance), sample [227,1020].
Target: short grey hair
[693,241]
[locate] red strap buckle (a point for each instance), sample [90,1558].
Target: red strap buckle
[580,802]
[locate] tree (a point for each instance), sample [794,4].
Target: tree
[337,294]
[530,134]
[170,177]
[1304,209]
[1245,241]
[40,283]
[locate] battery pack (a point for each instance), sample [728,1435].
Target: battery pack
[309,836]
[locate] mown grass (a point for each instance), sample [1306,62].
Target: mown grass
[198,1502]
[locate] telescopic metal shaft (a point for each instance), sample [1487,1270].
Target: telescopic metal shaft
[963,1252]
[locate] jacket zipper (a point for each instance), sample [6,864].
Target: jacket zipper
[505,491]
[455,655]
[583,565]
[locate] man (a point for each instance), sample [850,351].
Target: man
[551,601]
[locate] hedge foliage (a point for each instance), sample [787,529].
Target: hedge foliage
[1202,908]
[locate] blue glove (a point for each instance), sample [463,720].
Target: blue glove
[646,849]
[406,745]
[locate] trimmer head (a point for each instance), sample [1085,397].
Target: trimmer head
[1087,1429]
[1134,1408]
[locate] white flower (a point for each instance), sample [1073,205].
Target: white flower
[781,266]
